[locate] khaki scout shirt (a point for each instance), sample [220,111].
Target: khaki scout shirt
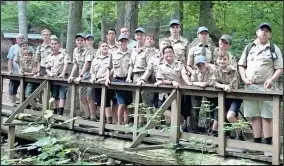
[19,56]
[171,72]
[112,48]
[196,51]
[99,67]
[82,55]
[28,66]
[259,63]
[232,59]
[141,58]
[119,62]
[56,61]
[197,76]
[92,51]
[156,61]
[180,48]
[42,52]
[227,76]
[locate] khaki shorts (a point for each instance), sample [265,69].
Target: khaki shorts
[254,108]
[86,91]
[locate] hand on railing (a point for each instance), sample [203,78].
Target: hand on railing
[228,88]
[128,80]
[107,83]
[37,75]
[175,84]
[92,80]
[77,80]
[70,79]
[158,83]
[203,84]
[61,75]
[140,82]
[247,81]
[268,83]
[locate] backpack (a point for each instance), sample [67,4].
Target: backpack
[272,50]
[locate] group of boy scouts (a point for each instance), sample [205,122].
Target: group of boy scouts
[175,63]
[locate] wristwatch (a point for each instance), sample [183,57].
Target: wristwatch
[81,75]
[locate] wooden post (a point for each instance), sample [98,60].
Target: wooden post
[136,112]
[175,119]
[11,141]
[221,119]
[72,105]
[46,96]
[102,111]
[22,90]
[276,131]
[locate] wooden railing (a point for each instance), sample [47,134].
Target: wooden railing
[173,100]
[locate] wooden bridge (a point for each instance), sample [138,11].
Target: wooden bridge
[173,136]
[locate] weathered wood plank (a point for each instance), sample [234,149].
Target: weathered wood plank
[249,145]
[72,105]
[151,123]
[26,102]
[46,92]
[221,119]
[175,119]
[22,90]
[102,111]
[11,141]
[136,111]
[140,148]
[276,131]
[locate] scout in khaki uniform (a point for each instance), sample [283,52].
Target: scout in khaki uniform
[118,66]
[98,72]
[25,46]
[56,64]
[28,67]
[170,73]
[225,77]
[225,43]
[131,43]
[179,43]
[90,45]
[259,69]
[203,48]
[111,40]
[202,77]
[82,59]
[42,51]
[152,69]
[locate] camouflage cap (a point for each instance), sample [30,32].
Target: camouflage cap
[140,29]
[265,25]
[174,21]
[122,36]
[89,36]
[199,59]
[81,35]
[203,28]
[228,38]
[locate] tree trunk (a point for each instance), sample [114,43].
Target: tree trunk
[120,15]
[206,19]
[22,16]
[74,24]
[131,15]
[103,28]
[180,5]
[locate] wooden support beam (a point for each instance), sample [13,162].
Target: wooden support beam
[151,147]
[11,141]
[22,90]
[72,105]
[46,96]
[102,111]
[21,123]
[276,131]
[151,123]
[26,102]
[175,119]
[136,112]
[221,119]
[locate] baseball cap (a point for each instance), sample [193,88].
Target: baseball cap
[199,59]
[25,42]
[203,28]
[140,29]
[174,21]
[89,36]
[81,35]
[54,38]
[265,24]
[122,36]
[228,38]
